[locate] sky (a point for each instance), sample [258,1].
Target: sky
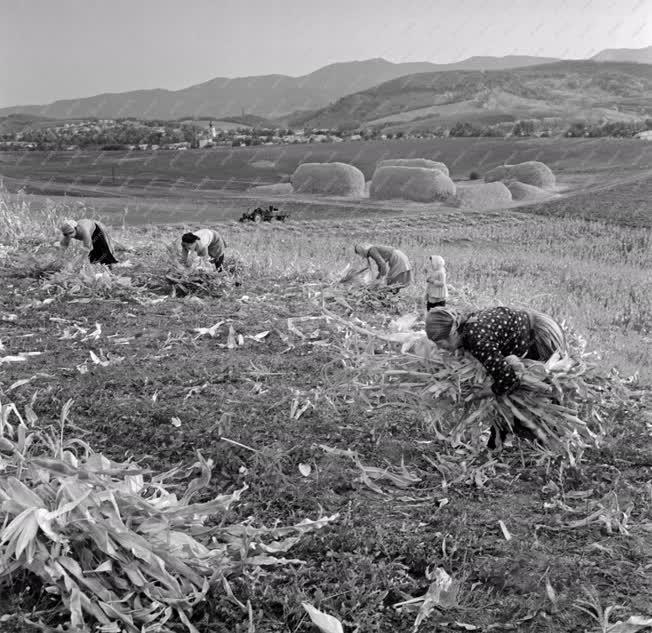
[58,49]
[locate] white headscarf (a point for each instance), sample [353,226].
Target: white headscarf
[436,262]
[68,227]
[363,249]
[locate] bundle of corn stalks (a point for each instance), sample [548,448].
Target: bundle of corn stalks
[561,401]
[36,265]
[170,276]
[356,290]
[182,282]
[79,276]
[120,549]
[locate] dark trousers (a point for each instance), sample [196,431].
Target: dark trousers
[435,304]
[402,280]
[219,261]
[101,252]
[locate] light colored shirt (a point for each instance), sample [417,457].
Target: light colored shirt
[436,289]
[84,232]
[390,261]
[210,242]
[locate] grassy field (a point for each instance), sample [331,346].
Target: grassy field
[238,168]
[601,179]
[627,203]
[577,534]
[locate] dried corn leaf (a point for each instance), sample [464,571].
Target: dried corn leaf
[324,622]
[136,555]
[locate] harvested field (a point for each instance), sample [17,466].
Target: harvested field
[381,500]
[231,169]
[626,203]
[215,185]
[280,189]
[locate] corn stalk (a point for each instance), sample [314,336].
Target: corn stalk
[561,401]
[119,546]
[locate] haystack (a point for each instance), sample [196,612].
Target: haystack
[334,179]
[411,183]
[531,172]
[521,191]
[414,162]
[483,196]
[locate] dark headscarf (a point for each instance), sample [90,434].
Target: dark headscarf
[441,323]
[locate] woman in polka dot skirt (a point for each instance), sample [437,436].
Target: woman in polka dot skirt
[492,334]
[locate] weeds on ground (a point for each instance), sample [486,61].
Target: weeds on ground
[116,545]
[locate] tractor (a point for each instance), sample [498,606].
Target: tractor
[259,215]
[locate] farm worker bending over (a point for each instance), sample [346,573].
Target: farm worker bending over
[492,334]
[95,238]
[436,289]
[393,264]
[206,243]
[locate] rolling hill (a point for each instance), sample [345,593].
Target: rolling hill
[267,96]
[638,55]
[565,89]
[17,122]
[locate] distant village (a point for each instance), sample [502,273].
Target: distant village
[133,134]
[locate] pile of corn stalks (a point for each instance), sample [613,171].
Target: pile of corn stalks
[61,274]
[182,282]
[200,279]
[120,550]
[562,401]
[76,275]
[355,290]
[79,276]
[36,266]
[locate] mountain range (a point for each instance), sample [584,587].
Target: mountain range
[584,89]
[270,96]
[281,97]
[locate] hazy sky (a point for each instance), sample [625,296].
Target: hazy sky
[56,49]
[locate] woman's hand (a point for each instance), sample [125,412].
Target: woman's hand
[516,363]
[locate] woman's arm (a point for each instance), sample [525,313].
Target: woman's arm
[380,262]
[503,374]
[185,251]
[84,235]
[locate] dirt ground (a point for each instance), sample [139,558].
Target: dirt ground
[243,408]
